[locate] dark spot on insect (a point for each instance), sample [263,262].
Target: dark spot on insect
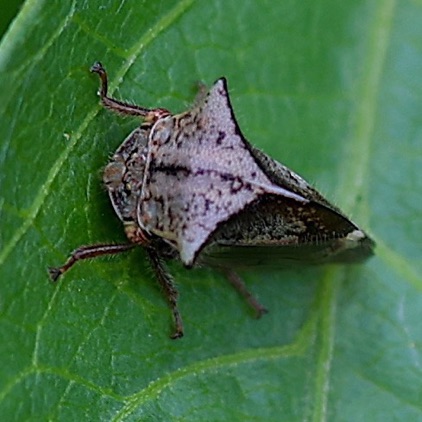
[178,140]
[200,126]
[220,138]
[167,138]
[226,177]
[207,204]
[160,200]
[222,92]
[200,172]
[248,187]
[237,185]
[172,170]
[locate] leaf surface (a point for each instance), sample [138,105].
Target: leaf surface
[332,90]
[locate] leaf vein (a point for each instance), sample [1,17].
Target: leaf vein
[212,364]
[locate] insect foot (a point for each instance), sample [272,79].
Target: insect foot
[190,187]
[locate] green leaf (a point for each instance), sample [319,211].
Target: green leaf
[8,8]
[333,90]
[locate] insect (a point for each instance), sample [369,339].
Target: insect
[190,187]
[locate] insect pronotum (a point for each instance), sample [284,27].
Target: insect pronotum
[190,187]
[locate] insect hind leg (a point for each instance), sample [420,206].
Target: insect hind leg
[240,286]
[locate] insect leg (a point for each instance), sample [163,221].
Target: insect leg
[240,286]
[170,290]
[87,252]
[120,106]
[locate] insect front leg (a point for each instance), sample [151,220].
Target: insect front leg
[167,284]
[240,286]
[121,107]
[87,252]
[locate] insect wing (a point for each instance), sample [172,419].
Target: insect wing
[282,176]
[328,235]
[277,232]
